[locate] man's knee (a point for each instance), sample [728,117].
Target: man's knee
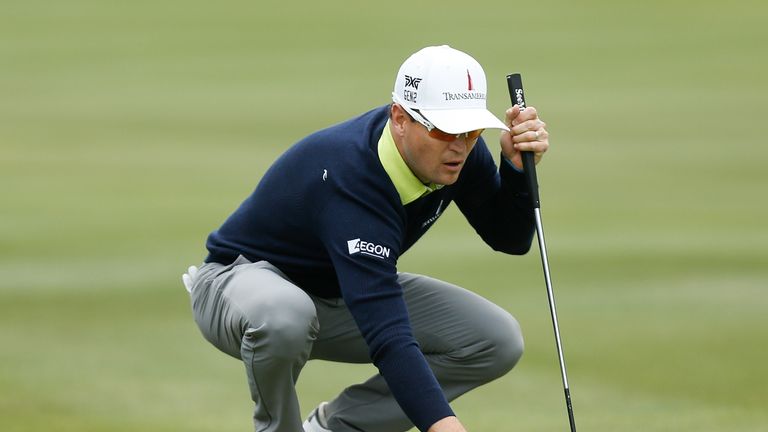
[505,345]
[282,333]
[278,319]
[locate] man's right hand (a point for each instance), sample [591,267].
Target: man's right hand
[448,424]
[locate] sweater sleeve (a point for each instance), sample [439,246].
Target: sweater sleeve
[362,239]
[496,202]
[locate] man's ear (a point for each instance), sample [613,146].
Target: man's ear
[398,118]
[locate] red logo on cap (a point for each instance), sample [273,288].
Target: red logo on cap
[469,81]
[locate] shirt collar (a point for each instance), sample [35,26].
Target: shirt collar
[408,186]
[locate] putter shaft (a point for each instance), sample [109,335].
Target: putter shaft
[553,313]
[517,95]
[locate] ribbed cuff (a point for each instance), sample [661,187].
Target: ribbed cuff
[512,178]
[415,388]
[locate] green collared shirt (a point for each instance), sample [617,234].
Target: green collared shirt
[408,186]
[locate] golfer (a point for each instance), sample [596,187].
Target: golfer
[306,267]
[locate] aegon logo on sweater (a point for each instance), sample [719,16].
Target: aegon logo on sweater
[358,246]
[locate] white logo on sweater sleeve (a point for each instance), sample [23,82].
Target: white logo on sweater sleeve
[357,246]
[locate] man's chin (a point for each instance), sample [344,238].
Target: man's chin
[448,180]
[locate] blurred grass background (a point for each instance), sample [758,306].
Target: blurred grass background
[129,130]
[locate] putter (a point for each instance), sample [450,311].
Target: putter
[515,84]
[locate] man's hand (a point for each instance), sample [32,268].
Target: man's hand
[448,424]
[526,133]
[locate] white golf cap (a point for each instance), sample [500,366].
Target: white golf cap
[448,88]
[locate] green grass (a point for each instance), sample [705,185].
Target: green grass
[129,130]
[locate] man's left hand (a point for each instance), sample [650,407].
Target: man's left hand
[527,133]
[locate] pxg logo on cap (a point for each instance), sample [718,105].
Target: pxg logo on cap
[411,95]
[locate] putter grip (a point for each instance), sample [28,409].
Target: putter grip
[516,94]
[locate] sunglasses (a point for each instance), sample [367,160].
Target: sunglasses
[437,133]
[445,136]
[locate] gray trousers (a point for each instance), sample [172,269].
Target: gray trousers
[252,312]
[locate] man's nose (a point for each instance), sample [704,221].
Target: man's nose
[459,144]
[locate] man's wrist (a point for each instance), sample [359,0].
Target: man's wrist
[447,424]
[512,165]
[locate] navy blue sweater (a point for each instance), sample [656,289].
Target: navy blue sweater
[327,214]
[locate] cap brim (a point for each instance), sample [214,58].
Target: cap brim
[463,120]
